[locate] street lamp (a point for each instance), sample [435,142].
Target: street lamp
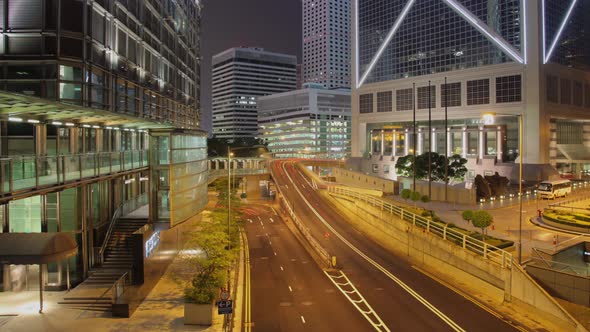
[488,118]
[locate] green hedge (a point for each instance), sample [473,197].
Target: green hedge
[564,220]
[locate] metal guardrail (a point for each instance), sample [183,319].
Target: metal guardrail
[32,172]
[467,242]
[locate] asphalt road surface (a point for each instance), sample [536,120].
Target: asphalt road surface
[289,291]
[404,298]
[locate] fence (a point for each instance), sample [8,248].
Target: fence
[443,231]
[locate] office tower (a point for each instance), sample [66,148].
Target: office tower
[326,42]
[240,76]
[99,115]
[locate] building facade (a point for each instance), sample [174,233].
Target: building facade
[99,108]
[307,123]
[326,42]
[240,76]
[453,61]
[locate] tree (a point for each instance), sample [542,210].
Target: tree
[482,219]
[467,215]
[404,166]
[406,194]
[457,169]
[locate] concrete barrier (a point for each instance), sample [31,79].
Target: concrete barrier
[432,250]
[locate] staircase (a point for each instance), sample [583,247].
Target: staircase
[95,292]
[118,255]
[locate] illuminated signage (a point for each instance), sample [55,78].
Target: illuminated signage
[152,243]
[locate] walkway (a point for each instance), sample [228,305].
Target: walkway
[163,308]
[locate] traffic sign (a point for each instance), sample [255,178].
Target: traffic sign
[225,307]
[224,295]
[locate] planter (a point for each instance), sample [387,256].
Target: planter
[198,314]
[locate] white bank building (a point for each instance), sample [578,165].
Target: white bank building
[512,58]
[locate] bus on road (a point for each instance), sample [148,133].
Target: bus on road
[555,188]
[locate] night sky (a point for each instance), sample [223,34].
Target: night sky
[274,25]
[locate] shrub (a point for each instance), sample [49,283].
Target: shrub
[467,215]
[415,196]
[406,193]
[425,199]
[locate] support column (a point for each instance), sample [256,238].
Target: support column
[464,143]
[450,143]
[420,139]
[382,142]
[481,142]
[499,147]
[394,142]
[406,143]
[40,139]
[3,138]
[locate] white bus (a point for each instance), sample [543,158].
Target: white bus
[555,188]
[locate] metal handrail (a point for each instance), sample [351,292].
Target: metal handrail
[107,236]
[116,215]
[493,253]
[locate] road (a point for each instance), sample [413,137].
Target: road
[289,292]
[403,297]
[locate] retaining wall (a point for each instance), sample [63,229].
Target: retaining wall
[429,249]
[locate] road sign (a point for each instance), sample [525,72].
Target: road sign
[224,295]
[225,307]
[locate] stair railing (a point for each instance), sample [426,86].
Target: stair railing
[123,208]
[114,219]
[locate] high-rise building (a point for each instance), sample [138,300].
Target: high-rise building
[308,123]
[240,76]
[99,114]
[512,58]
[326,42]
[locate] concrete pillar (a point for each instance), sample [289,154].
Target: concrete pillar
[464,143]
[499,146]
[406,143]
[394,142]
[481,142]
[536,115]
[382,141]
[449,143]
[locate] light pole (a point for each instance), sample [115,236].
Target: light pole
[489,118]
[228,212]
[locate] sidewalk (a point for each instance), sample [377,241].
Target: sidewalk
[162,310]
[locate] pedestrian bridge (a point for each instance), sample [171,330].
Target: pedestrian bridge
[218,167]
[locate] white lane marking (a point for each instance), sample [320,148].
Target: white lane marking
[303,319]
[275,253]
[403,285]
[261,223]
[259,218]
[250,220]
[351,290]
[271,220]
[290,289]
[282,269]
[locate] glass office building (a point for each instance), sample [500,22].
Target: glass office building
[307,123]
[463,59]
[88,91]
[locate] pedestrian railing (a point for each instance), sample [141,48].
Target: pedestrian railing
[119,287]
[215,174]
[33,172]
[439,229]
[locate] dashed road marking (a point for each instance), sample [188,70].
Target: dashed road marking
[290,289]
[282,269]
[303,319]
